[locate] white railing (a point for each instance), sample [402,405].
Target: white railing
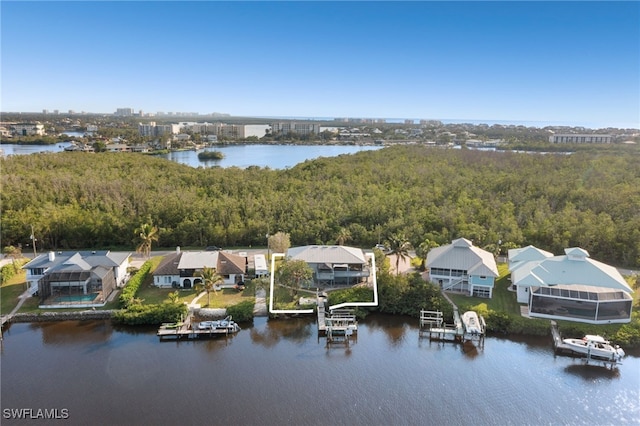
[453,283]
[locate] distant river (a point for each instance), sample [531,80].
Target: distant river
[278,372]
[16,149]
[272,156]
[243,156]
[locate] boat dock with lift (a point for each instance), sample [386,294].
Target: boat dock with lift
[189,329]
[588,354]
[469,326]
[338,325]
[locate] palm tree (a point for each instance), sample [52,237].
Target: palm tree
[210,279]
[147,233]
[343,236]
[174,297]
[423,250]
[399,246]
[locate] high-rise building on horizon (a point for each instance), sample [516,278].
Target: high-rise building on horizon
[124,112]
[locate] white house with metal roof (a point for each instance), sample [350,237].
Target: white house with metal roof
[333,265]
[525,256]
[78,278]
[570,287]
[461,266]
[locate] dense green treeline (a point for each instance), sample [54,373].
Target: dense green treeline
[73,200]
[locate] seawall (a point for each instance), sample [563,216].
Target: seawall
[62,316]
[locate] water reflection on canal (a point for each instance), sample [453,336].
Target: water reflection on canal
[280,372]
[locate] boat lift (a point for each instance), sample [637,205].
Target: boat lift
[432,325]
[561,348]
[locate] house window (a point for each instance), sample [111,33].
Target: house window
[483,277]
[481,292]
[167,280]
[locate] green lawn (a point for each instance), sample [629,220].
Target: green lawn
[503,300]
[224,298]
[11,290]
[154,295]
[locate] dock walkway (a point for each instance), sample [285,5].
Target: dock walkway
[260,307]
[7,318]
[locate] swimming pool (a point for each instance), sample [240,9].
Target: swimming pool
[77,298]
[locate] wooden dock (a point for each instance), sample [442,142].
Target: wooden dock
[186,330]
[338,325]
[432,325]
[322,324]
[6,319]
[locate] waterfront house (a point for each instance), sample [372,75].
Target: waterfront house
[118,147]
[570,287]
[461,266]
[182,269]
[333,265]
[523,256]
[78,278]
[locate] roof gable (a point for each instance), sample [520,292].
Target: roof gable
[463,255]
[576,253]
[229,263]
[168,265]
[527,253]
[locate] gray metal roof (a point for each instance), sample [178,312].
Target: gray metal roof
[198,260]
[328,254]
[92,258]
[461,254]
[574,268]
[527,253]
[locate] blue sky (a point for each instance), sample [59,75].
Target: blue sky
[574,63]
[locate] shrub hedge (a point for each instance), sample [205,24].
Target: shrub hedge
[9,270]
[243,311]
[129,291]
[137,314]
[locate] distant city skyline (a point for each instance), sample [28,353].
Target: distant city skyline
[555,63]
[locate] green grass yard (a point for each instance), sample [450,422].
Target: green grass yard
[11,291]
[503,300]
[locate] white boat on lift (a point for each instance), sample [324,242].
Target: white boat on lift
[593,346]
[472,324]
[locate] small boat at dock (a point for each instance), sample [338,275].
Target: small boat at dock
[223,324]
[594,346]
[472,324]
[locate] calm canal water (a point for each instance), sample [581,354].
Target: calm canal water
[279,372]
